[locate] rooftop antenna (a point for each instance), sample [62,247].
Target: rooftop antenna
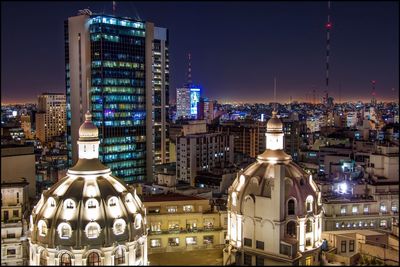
[373,82]
[275,94]
[328,27]
[88,95]
[114,7]
[189,74]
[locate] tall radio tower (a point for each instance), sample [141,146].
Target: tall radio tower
[328,27]
[189,73]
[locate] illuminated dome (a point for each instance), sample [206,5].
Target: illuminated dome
[274,124]
[274,207]
[89,217]
[88,130]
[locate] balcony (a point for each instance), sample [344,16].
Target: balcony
[185,231]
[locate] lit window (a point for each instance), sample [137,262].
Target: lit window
[208,239]
[191,240]
[383,207]
[69,204]
[112,202]
[91,191]
[188,208]
[92,203]
[119,226]
[394,207]
[173,241]
[337,225]
[308,226]
[64,230]
[234,197]
[138,221]
[354,209]
[42,226]
[371,224]
[366,208]
[51,202]
[343,210]
[92,230]
[155,243]
[383,223]
[309,203]
[172,209]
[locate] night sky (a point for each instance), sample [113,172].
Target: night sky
[237,47]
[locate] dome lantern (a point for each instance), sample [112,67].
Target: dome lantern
[88,142]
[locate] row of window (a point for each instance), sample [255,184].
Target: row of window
[117,64]
[92,229]
[382,223]
[382,208]
[115,21]
[175,241]
[93,258]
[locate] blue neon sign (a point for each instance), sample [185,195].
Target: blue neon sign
[194,99]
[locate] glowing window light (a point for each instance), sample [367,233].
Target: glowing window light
[92,230]
[130,203]
[64,230]
[42,226]
[119,226]
[138,221]
[91,191]
[343,188]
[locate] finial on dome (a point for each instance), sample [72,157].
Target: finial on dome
[88,116]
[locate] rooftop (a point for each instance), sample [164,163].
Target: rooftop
[170,197]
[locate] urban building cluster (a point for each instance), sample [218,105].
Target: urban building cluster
[111,173]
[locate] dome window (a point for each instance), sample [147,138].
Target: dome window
[51,202]
[309,203]
[112,202]
[130,203]
[91,191]
[234,198]
[42,226]
[64,230]
[138,221]
[69,204]
[119,226]
[119,257]
[92,203]
[65,259]
[92,230]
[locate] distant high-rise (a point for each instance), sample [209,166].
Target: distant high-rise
[112,60]
[182,102]
[161,95]
[50,118]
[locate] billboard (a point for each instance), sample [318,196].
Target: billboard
[194,98]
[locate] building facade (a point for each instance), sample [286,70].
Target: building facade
[89,217]
[290,232]
[112,59]
[161,95]
[180,223]
[14,225]
[201,152]
[183,102]
[51,116]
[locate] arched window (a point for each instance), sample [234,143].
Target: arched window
[64,230]
[43,257]
[138,221]
[119,226]
[308,226]
[130,203]
[383,207]
[93,259]
[65,259]
[112,202]
[119,256]
[51,201]
[309,203]
[92,230]
[291,207]
[92,203]
[42,227]
[69,204]
[291,229]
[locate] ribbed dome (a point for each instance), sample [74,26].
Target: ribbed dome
[274,124]
[81,202]
[258,177]
[88,131]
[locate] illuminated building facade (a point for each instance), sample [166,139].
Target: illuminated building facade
[50,118]
[194,99]
[89,217]
[161,95]
[290,232]
[179,222]
[182,102]
[111,60]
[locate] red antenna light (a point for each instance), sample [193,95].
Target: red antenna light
[328,25]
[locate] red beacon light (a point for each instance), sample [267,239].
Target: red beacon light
[328,25]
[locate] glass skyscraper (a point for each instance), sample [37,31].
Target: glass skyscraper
[109,63]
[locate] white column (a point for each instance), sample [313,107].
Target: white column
[302,234]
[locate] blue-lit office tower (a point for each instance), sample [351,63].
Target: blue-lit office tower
[113,57]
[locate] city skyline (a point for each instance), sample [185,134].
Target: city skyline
[279,51]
